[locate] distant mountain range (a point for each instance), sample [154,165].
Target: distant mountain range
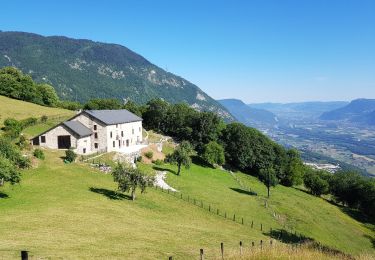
[300,110]
[248,115]
[360,111]
[84,69]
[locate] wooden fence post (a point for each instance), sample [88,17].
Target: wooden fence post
[24,255]
[201,254]
[261,244]
[222,250]
[234,217]
[217,212]
[261,227]
[170,258]
[241,248]
[242,221]
[252,224]
[252,244]
[271,242]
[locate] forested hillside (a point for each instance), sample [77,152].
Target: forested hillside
[82,69]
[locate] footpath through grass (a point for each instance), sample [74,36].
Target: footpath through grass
[73,212]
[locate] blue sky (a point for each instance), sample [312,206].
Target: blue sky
[254,50]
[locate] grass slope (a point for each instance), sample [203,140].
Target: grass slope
[288,207]
[72,211]
[21,110]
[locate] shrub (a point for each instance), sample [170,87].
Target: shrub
[139,158]
[149,154]
[28,122]
[158,162]
[38,153]
[70,155]
[23,142]
[44,119]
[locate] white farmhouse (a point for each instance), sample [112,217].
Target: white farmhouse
[95,131]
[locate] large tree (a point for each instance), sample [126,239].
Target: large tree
[181,156]
[129,179]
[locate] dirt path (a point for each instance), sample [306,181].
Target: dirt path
[160,181]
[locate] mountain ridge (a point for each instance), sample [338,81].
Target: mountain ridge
[248,115]
[81,69]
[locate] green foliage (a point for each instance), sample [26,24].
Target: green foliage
[44,119]
[13,127]
[70,155]
[11,152]
[149,154]
[269,178]
[294,169]
[129,179]
[23,142]
[181,156]
[316,182]
[134,108]
[158,162]
[139,158]
[70,105]
[155,115]
[213,153]
[15,84]
[102,104]
[8,172]
[38,153]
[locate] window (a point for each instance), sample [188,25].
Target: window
[96,135]
[96,145]
[117,126]
[84,150]
[122,133]
[95,127]
[139,129]
[114,144]
[133,131]
[43,139]
[110,134]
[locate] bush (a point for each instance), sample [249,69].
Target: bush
[29,122]
[23,142]
[158,162]
[139,158]
[38,153]
[70,155]
[149,154]
[44,119]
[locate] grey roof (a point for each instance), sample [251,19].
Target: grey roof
[112,117]
[78,128]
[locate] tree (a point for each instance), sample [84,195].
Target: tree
[315,182]
[8,172]
[155,115]
[213,153]
[47,95]
[129,179]
[268,177]
[103,104]
[181,156]
[294,170]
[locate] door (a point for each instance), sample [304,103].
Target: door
[63,142]
[127,142]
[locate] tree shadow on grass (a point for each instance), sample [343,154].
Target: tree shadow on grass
[158,168]
[250,193]
[199,161]
[110,194]
[3,195]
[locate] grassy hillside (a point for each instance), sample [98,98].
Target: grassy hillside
[287,208]
[21,110]
[72,211]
